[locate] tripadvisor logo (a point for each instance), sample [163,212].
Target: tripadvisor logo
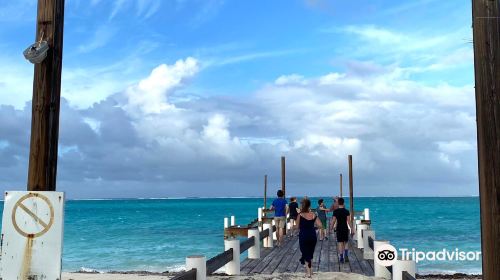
[386,255]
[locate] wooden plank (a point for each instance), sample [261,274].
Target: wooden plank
[265,261]
[253,263]
[245,245]
[294,262]
[365,266]
[353,260]
[324,256]
[187,275]
[282,267]
[371,263]
[333,264]
[486,34]
[317,252]
[282,251]
[219,261]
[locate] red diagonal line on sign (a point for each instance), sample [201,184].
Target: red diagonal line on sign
[33,215]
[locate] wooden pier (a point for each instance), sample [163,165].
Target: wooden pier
[285,259]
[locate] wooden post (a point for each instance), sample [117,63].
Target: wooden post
[351,193]
[42,170]
[340,184]
[265,192]
[486,30]
[283,187]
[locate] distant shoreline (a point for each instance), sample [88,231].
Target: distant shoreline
[260,197]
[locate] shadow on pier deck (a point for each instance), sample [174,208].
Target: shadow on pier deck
[286,259]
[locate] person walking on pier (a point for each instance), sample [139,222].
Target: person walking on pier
[306,222]
[294,212]
[321,211]
[335,206]
[280,207]
[341,216]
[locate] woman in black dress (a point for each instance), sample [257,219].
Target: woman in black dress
[306,222]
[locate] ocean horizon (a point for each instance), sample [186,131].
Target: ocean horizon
[156,234]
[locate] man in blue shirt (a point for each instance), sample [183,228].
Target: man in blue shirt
[280,207]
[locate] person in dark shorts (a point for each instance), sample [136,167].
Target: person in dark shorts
[294,212]
[341,217]
[321,212]
[306,222]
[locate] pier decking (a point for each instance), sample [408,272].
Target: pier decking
[286,259]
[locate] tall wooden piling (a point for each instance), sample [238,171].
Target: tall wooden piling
[283,183]
[283,186]
[486,18]
[265,191]
[340,185]
[351,193]
[42,170]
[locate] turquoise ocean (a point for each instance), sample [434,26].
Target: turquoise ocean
[157,234]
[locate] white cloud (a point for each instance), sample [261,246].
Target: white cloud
[399,131]
[150,94]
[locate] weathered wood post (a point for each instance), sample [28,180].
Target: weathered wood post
[340,185]
[265,191]
[42,170]
[283,173]
[351,193]
[486,30]
[283,185]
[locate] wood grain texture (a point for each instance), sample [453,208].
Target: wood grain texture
[486,30]
[42,169]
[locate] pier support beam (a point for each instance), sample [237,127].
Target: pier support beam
[486,30]
[254,251]
[200,264]
[233,267]
[233,221]
[268,241]
[340,195]
[226,222]
[366,214]
[265,191]
[351,191]
[359,232]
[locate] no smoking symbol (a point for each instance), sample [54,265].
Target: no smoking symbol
[36,219]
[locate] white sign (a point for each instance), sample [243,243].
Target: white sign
[32,233]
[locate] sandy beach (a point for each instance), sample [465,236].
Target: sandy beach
[282,276]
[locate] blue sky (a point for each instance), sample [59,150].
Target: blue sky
[244,82]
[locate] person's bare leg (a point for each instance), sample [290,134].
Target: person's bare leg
[340,246]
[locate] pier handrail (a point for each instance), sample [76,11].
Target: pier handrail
[407,276]
[187,275]
[245,245]
[219,261]
[223,258]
